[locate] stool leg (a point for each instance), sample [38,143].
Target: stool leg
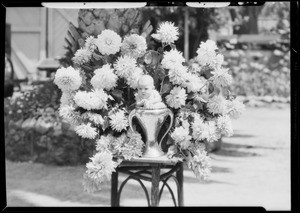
[179,176]
[155,186]
[114,189]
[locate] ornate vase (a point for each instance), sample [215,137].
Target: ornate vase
[151,121]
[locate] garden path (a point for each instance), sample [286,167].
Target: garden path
[251,169]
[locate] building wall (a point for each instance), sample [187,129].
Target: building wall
[32,28]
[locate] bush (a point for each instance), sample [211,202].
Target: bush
[35,132]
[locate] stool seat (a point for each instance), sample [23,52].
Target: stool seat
[149,169]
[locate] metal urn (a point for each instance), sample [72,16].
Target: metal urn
[151,121]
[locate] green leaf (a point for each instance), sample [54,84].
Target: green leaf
[97,56]
[173,46]
[152,58]
[160,72]
[117,95]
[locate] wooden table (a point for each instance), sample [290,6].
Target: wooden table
[149,169]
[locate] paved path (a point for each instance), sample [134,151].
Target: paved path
[251,169]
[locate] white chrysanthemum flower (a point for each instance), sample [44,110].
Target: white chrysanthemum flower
[65,111]
[172,59]
[224,125]
[200,129]
[118,121]
[235,108]
[124,66]
[216,104]
[67,79]
[221,77]
[205,58]
[116,144]
[104,78]
[108,42]
[176,98]
[82,56]
[133,146]
[200,164]
[102,144]
[94,117]
[178,75]
[101,166]
[166,33]
[194,83]
[96,99]
[206,53]
[213,133]
[208,46]
[67,98]
[132,79]
[90,43]
[181,136]
[86,131]
[134,45]
[218,61]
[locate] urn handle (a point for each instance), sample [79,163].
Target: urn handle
[168,113]
[131,115]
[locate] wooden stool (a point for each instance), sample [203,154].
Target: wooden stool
[149,169]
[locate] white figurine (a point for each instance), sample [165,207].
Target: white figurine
[147,96]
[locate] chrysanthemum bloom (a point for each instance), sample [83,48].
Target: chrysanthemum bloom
[132,79]
[116,144]
[201,165]
[86,131]
[90,43]
[176,98]
[166,33]
[134,46]
[96,99]
[102,144]
[94,117]
[66,111]
[194,83]
[178,75]
[104,78]
[218,61]
[133,146]
[208,46]
[181,137]
[213,133]
[224,125]
[108,42]
[67,98]
[67,79]
[216,104]
[206,54]
[235,108]
[101,166]
[221,77]
[118,121]
[172,59]
[200,129]
[124,65]
[82,56]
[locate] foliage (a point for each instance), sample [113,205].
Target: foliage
[262,70]
[34,131]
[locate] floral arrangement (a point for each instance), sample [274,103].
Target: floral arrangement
[98,94]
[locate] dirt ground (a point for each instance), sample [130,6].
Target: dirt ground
[251,169]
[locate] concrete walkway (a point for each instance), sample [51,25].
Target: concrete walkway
[251,169]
